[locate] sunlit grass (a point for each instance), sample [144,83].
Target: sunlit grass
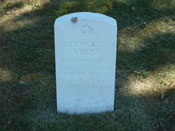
[132,38]
[150,83]
[5,75]
[13,10]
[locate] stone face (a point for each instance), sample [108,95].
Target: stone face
[85,55]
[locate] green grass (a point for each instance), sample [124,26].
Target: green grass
[145,71]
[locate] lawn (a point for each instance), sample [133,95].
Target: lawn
[145,70]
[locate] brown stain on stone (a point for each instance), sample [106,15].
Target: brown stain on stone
[74,19]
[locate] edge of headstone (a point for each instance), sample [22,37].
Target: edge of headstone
[99,16]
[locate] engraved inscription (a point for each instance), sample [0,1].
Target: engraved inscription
[84,47]
[77,78]
[84,51]
[83,43]
[86,30]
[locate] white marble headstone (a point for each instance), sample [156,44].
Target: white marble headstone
[85,54]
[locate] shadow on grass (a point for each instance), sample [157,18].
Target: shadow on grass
[10,6]
[29,50]
[134,13]
[156,53]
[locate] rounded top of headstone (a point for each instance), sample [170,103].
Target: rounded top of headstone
[84,15]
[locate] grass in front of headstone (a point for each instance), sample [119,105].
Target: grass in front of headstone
[145,72]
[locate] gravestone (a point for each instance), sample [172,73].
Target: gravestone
[85,55]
